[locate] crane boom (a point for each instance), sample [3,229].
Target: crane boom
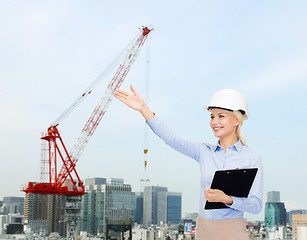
[56,148]
[102,105]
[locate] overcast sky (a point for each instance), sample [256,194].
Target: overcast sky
[50,51]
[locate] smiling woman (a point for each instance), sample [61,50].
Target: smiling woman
[228,110]
[224,126]
[229,104]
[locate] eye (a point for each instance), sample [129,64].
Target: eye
[211,117]
[221,116]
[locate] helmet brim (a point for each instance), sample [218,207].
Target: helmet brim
[244,114]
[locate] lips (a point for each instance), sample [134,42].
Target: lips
[217,128]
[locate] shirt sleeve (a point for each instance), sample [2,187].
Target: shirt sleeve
[175,141]
[253,203]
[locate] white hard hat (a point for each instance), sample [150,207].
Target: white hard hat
[229,99]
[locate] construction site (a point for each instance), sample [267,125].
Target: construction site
[53,205]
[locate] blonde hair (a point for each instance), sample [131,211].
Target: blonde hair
[239,133]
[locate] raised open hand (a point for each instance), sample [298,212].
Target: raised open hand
[134,101]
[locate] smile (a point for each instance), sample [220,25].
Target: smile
[217,128]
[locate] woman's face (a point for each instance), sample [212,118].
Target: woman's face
[223,123]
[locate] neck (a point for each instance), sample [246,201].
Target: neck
[226,142]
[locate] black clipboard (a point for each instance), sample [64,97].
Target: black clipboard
[235,182]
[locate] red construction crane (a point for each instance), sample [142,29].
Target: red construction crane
[66,181]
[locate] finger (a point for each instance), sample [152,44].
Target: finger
[120,95]
[211,191]
[133,90]
[121,92]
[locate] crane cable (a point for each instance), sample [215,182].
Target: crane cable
[100,78]
[145,177]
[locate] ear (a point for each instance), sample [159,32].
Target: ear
[237,122]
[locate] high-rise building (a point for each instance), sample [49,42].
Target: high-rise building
[12,205]
[160,206]
[150,205]
[106,200]
[95,181]
[275,214]
[174,203]
[297,211]
[298,221]
[138,216]
[273,196]
[45,210]
[275,211]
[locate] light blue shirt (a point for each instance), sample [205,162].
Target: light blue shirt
[212,158]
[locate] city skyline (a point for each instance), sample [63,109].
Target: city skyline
[272,196]
[51,51]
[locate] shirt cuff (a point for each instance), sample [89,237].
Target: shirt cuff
[152,120]
[236,203]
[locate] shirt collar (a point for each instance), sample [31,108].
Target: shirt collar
[237,146]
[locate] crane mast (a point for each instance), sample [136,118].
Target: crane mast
[56,148]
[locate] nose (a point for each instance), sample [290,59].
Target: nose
[214,120]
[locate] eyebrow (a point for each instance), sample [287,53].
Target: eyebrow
[218,113]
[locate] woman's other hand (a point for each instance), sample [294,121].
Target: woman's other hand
[215,195]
